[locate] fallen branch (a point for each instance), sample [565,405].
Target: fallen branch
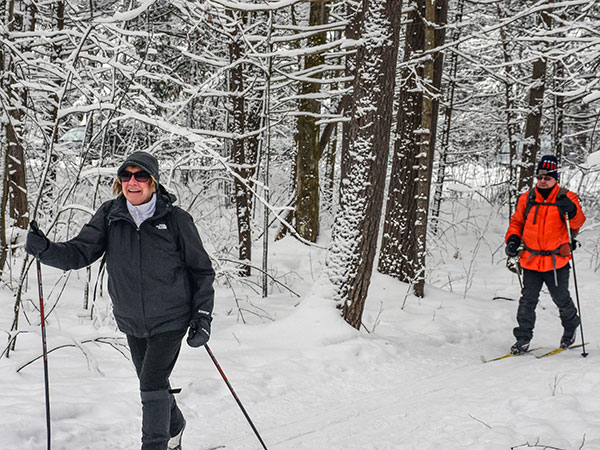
[480,421]
[537,445]
[100,340]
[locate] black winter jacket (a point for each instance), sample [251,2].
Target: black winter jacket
[158,274]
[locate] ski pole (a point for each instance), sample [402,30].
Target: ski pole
[35,229]
[584,354]
[234,395]
[518,270]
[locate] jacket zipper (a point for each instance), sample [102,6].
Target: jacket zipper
[139,238]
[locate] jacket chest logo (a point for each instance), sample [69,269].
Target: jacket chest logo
[161,226]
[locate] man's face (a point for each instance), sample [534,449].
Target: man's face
[545,182]
[137,191]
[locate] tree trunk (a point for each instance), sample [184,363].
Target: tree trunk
[447,128]
[238,157]
[404,235]
[397,243]
[435,12]
[17,188]
[12,160]
[330,173]
[559,112]
[511,130]
[531,145]
[355,231]
[3,194]
[307,157]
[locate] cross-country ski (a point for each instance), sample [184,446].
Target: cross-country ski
[508,355]
[559,350]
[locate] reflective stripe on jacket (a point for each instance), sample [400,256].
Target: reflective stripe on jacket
[544,229]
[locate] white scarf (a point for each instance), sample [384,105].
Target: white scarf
[142,212]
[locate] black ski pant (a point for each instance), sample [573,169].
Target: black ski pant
[530,294]
[154,358]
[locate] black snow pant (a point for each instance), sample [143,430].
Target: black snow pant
[154,358]
[532,285]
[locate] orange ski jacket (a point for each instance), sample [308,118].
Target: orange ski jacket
[544,229]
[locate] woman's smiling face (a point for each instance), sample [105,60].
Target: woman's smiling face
[137,192]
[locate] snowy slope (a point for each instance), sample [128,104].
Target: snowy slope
[309,381]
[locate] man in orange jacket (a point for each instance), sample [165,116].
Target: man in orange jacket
[539,225]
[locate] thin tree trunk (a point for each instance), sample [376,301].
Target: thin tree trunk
[5,125]
[447,128]
[531,145]
[435,12]
[307,157]
[8,135]
[511,125]
[559,111]
[330,174]
[242,204]
[3,194]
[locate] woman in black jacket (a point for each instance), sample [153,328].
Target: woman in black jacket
[160,280]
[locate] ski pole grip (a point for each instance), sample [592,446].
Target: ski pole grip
[34,226]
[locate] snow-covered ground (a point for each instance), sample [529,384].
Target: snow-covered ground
[414,380]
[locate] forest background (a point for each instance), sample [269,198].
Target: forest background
[349,119]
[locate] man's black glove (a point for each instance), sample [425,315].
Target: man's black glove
[566,206]
[199,331]
[512,245]
[574,244]
[36,242]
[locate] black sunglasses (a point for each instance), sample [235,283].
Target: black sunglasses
[141,176]
[543,178]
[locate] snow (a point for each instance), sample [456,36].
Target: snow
[593,160]
[594,95]
[309,381]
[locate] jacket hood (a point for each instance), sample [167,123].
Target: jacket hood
[162,192]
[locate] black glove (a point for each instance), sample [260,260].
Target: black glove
[574,244]
[199,331]
[566,206]
[37,242]
[512,245]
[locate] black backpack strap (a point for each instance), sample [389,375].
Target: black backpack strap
[562,192]
[531,202]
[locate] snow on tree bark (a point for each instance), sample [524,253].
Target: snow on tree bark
[533,124]
[365,153]
[403,243]
[242,197]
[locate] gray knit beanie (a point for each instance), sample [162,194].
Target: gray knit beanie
[143,160]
